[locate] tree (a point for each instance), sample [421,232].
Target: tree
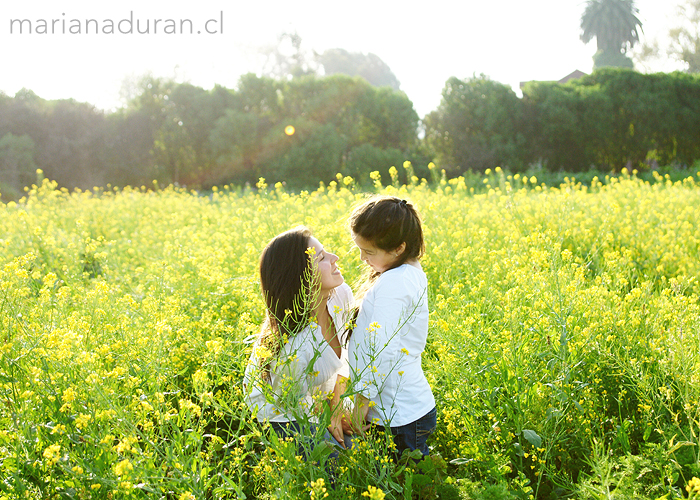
[17,167]
[73,154]
[683,44]
[368,66]
[330,116]
[478,125]
[685,39]
[287,59]
[615,26]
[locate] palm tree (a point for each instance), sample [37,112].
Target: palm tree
[615,26]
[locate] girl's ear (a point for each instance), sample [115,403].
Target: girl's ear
[400,249]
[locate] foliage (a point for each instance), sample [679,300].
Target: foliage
[603,59]
[685,38]
[307,130]
[615,118]
[183,134]
[682,43]
[615,26]
[608,120]
[17,167]
[477,125]
[560,349]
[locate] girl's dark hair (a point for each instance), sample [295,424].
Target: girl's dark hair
[387,222]
[284,279]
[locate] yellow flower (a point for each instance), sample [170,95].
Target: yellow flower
[317,489]
[52,453]
[405,351]
[69,395]
[123,468]
[82,420]
[262,352]
[373,493]
[693,486]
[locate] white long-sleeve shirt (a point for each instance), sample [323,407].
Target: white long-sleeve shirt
[384,352]
[304,371]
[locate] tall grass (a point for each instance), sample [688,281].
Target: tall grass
[564,346]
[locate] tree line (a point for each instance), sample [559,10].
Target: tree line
[300,131]
[608,120]
[307,129]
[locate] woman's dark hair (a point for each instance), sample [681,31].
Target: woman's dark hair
[387,222]
[284,279]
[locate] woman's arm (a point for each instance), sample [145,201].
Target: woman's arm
[339,421]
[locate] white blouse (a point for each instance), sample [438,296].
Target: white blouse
[385,349]
[305,370]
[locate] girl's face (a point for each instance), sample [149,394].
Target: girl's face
[376,258]
[327,268]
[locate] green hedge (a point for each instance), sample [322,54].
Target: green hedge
[608,120]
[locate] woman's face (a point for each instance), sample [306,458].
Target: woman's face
[327,269]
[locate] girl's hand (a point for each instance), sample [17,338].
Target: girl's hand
[359,422]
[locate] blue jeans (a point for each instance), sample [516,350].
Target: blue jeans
[414,436]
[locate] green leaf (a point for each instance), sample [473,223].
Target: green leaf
[321,451]
[533,438]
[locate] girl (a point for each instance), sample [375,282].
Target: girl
[297,360]
[392,325]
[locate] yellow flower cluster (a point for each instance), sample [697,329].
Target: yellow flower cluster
[373,493]
[317,489]
[127,317]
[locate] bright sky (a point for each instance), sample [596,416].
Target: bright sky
[423,43]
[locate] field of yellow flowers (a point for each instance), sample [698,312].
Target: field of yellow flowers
[564,347]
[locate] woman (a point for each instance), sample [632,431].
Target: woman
[296,369]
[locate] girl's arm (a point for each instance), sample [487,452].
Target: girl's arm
[379,346]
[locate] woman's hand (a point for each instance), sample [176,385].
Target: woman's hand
[346,421]
[339,420]
[336,428]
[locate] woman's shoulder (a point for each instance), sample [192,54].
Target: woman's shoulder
[343,296]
